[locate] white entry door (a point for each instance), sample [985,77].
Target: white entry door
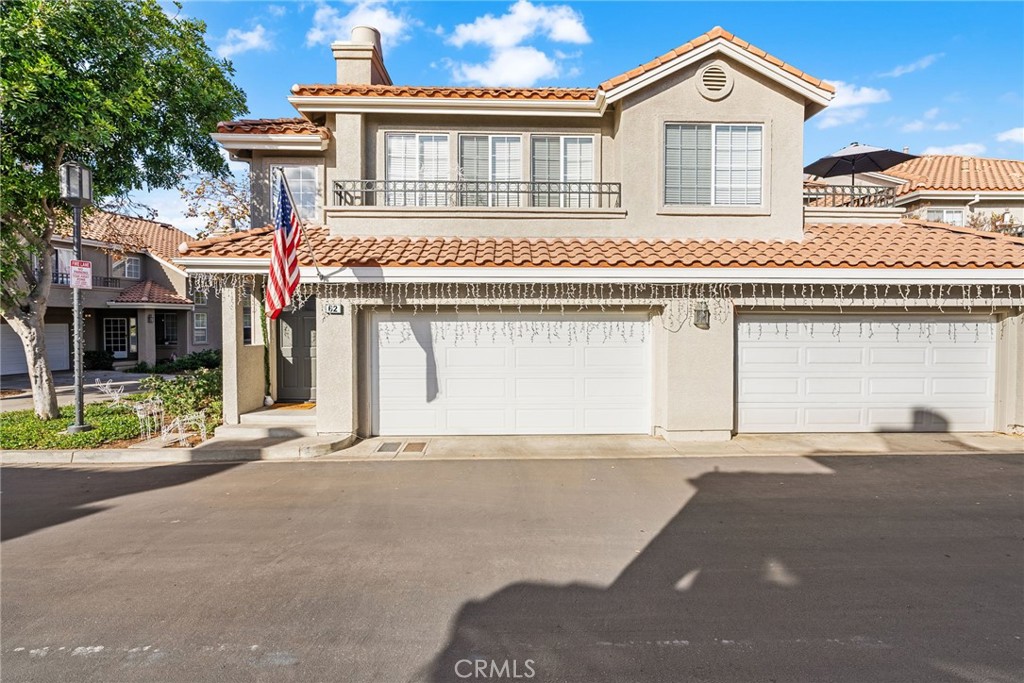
[529,373]
[865,373]
[12,353]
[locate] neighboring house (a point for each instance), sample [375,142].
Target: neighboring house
[635,258]
[958,190]
[138,308]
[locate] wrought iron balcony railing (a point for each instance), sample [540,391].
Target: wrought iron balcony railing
[500,194]
[97,280]
[849,196]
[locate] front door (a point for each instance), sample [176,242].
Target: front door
[296,365]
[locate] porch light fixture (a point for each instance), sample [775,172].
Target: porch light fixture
[76,192]
[701,316]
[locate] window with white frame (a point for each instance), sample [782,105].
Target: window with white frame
[951,216]
[200,322]
[490,167]
[247,319]
[413,160]
[62,260]
[167,329]
[304,185]
[713,164]
[127,267]
[199,297]
[559,165]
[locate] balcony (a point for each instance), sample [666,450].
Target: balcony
[97,280]
[498,195]
[849,196]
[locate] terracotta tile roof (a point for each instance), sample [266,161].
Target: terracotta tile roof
[149,292]
[909,244]
[285,126]
[133,234]
[949,172]
[445,92]
[716,32]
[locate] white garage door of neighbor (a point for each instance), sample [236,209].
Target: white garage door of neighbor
[469,373]
[12,353]
[865,373]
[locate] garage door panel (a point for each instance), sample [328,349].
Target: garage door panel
[12,353]
[866,373]
[511,374]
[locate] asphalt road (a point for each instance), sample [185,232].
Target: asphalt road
[852,569]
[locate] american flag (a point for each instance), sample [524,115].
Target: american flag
[284,260]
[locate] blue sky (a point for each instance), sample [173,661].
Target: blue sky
[933,76]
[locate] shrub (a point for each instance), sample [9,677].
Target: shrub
[21,429]
[210,358]
[98,360]
[189,392]
[142,367]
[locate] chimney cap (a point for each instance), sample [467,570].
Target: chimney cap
[366,35]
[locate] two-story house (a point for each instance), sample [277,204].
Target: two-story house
[138,308]
[633,258]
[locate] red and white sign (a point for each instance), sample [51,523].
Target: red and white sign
[81,274]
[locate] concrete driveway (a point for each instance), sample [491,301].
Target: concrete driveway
[64,381]
[735,569]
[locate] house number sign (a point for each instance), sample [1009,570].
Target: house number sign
[334,309]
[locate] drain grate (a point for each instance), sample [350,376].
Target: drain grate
[415,447]
[389,447]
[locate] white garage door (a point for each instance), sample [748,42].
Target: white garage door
[12,353]
[857,373]
[467,373]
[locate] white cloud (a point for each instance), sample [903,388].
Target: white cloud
[1012,135]
[849,104]
[904,69]
[559,23]
[928,122]
[850,95]
[510,61]
[330,25]
[277,10]
[841,117]
[238,41]
[515,66]
[967,149]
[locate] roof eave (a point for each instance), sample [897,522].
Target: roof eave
[817,97]
[236,142]
[423,105]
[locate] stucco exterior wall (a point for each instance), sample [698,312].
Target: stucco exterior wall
[242,363]
[337,368]
[1010,373]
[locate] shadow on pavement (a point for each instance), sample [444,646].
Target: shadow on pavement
[784,577]
[34,498]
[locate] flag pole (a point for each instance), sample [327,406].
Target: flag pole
[302,224]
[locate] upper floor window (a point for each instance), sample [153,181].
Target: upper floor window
[556,162]
[62,261]
[951,216]
[199,297]
[413,158]
[490,168]
[304,185]
[713,164]
[127,266]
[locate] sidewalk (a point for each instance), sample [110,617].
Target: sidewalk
[332,448]
[64,381]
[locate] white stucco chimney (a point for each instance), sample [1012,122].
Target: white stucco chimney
[361,59]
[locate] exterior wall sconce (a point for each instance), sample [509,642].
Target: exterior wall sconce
[701,316]
[149,318]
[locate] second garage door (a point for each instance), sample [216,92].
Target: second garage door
[12,353]
[467,373]
[865,373]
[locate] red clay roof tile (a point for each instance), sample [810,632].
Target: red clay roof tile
[444,92]
[908,244]
[284,126]
[951,172]
[149,292]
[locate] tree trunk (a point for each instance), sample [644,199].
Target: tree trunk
[31,330]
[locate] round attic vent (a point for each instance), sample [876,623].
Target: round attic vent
[714,81]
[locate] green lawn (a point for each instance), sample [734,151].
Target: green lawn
[22,430]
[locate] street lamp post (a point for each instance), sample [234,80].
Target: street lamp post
[76,191]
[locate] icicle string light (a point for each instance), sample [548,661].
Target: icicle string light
[673,303]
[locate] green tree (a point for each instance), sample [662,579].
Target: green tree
[118,85]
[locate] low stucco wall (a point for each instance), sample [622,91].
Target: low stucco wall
[243,364]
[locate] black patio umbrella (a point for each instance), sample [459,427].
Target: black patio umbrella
[856,158]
